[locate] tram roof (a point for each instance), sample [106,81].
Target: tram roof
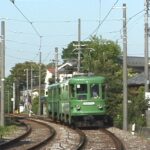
[87,79]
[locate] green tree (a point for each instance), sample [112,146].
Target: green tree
[137,106]
[18,75]
[70,52]
[8,91]
[102,56]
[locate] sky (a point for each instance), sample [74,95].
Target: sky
[42,25]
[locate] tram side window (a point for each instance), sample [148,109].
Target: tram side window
[54,94]
[72,91]
[50,94]
[95,90]
[103,91]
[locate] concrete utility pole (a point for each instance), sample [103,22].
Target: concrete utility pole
[14,96]
[146,45]
[79,45]
[56,65]
[125,99]
[2,67]
[40,77]
[31,79]
[27,82]
[8,97]
[146,37]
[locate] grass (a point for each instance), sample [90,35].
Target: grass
[6,130]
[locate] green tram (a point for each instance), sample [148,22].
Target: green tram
[80,100]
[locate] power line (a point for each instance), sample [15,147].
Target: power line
[135,15]
[30,22]
[101,22]
[57,21]
[52,35]
[130,19]
[23,43]
[16,20]
[17,58]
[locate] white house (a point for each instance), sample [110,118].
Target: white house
[49,75]
[51,71]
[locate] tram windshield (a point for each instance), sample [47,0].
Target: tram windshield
[95,90]
[81,90]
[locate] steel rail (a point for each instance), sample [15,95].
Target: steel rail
[22,136]
[118,143]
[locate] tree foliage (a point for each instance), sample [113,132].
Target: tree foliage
[19,73]
[19,77]
[137,106]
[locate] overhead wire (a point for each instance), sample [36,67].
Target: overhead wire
[135,15]
[100,22]
[130,19]
[31,23]
[104,19]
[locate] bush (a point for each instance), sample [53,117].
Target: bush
[35,105]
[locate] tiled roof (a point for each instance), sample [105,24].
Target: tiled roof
[135,61]
[139,79]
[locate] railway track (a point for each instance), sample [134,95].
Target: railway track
[102,139]
[36,135]
[40,136]
[65,138]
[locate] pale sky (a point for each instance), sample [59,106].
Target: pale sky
[56,21]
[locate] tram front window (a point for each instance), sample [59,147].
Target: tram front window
[81,91]
[94,90]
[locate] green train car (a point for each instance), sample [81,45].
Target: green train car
[80,100]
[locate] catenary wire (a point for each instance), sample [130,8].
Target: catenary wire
[101,22]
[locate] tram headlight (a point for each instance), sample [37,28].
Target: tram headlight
[100,107]
[78,107]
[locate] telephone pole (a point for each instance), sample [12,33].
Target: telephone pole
[27,82]
[146,49]
[146,45]
[2,67]
[40,77]
[14,96]
[125,99]
[79,45]
[56,65]
[31,79]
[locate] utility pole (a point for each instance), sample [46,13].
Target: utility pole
[8,105]
[56,65]
[8,97]
[31,78]
[125,99]
[146,43]
[14,96]
[27,82]
[79,45]
[2,67]
[40,78]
